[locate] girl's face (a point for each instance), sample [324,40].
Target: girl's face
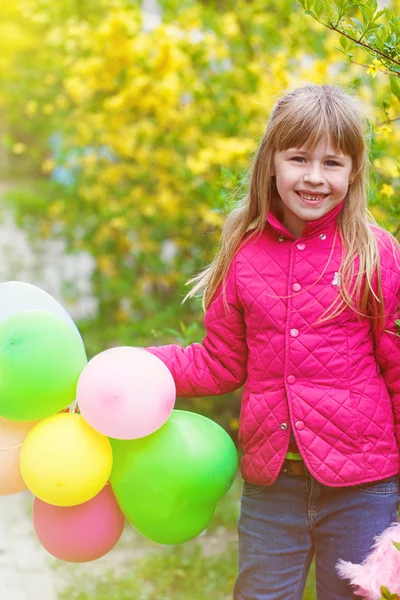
[310,183]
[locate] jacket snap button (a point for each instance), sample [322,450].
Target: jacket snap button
[299,425]
[291,379]
[280,238]
[296,287]
[294,332]
[283,425]
[322,236]
[301,246]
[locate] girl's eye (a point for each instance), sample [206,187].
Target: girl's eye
[333,162]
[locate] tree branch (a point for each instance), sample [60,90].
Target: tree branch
[388,121]
[331,26]
[368,66]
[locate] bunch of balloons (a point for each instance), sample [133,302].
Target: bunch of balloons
[125,454]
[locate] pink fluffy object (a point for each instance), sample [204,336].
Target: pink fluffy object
[381,567]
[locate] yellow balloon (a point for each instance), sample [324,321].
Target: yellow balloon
[12,436]
[64,461]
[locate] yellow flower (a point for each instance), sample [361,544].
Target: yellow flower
[48,109]
[149,210]
[210,217]
[19,148]
[49,79]
[56,208]
[387,190]
[106,266]
[48,165]
[77,89]
[31,108]
[118,223]
[374,67]
[89,162]
[115,103]
[378,213]
[385,130]
[229,25]
[110,175]
[388,166]
[61,101]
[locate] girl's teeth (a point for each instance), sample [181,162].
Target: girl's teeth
[311,197]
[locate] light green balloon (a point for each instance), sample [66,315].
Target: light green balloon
[41,358]
[167,484]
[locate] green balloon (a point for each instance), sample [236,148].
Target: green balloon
[41,358]
[167,484]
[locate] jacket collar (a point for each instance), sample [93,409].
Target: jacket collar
[312,228]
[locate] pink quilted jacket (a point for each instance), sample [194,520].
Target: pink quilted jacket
[334,384]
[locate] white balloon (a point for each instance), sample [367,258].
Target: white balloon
[16,296]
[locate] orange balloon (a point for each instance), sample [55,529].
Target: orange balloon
[12,436]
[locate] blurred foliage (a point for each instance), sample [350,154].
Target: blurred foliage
[180,573]
[132,139]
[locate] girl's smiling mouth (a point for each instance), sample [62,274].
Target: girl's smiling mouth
[311,199]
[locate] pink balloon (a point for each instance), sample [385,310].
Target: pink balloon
[126,393]
[79,533]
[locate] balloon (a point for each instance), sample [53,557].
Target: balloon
[41,358]
[79,533]
[64,461]
[16,296]
[126,392]
[168,483]
[12,435]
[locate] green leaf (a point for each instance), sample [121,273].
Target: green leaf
[340,49]
[379,14]
[372,26]
[397,544]
[395,85]
[386,594]
[310,12]
[340,4]
[367,14]
[319,7]
[358,24]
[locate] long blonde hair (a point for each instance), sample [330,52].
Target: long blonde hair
[303,117]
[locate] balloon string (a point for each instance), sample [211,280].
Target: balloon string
[12,448]
[73,408]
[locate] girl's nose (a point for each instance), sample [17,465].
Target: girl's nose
[314,175]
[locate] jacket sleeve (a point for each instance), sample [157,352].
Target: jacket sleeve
[219,364]
[387,341]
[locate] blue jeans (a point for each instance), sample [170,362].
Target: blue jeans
[281,526]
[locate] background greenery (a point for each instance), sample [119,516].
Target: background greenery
[132,142]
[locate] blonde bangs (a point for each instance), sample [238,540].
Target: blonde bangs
[315,119]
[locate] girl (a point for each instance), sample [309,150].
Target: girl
[301,304]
